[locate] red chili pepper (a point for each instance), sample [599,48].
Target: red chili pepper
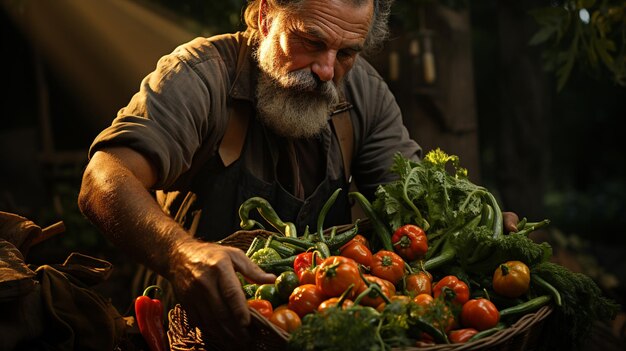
[410,242]
[149,314]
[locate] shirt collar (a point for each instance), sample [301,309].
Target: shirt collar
[246,70]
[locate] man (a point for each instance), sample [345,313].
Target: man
[297,63]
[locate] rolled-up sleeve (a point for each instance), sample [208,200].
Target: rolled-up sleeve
[178,107]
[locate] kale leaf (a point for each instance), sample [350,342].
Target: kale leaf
[427,194]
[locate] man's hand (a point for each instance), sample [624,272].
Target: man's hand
[204,280]
[114,196]
[510,220]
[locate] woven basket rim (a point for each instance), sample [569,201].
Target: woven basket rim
[523,326]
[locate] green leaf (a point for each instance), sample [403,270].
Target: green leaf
[435,189]
[602,47]
[542,35]
[583,303]
[549,16]
[497,250]
[568,58]
[585,4]
[591,53]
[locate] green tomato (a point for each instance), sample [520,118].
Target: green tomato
[286,282]
[270,293]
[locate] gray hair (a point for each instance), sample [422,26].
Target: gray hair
[379,28]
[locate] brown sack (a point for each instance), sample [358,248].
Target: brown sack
[53,307]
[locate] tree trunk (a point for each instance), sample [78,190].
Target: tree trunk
[522,152]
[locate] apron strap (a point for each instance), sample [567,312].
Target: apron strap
[344,130]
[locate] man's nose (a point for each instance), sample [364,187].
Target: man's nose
[324,65]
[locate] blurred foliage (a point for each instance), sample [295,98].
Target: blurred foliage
[409,14]
[79,235]
[214,16]
[406,6]
[596,213]
[588,33]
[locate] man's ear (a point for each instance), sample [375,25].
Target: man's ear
[264,21]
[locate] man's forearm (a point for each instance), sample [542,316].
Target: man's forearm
[115,201]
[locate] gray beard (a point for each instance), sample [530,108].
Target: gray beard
[295,112]
[293,104]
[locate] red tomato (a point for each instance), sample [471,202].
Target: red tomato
[437,313]
[358,252]
[286,319]
[263,306]
[305,299]
[359,239]
[410,242]
[400,298]
[461,335]
[302,265]
[453,288]
[335,274]
[418,283]
[480,314]
[374,279]
[333,302]
[388,265]
[307,276]
[280,307]
[446,320]
[374,299]
[423,299]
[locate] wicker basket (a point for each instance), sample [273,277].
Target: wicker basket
[524,334]
[184,337]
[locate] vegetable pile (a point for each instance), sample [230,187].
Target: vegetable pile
[435,268]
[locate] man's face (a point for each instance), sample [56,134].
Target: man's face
[303,58]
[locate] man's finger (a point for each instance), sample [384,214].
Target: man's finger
[235,304]
[216,311]
[510,220]
[233,296]
[251,271]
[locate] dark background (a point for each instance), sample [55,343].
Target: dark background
[545,151]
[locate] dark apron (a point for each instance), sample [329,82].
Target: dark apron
[221,190]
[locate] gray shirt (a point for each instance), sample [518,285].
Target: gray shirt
[183,104]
